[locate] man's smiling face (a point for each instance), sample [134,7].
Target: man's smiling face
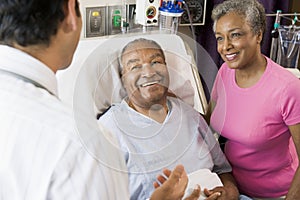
[145,75]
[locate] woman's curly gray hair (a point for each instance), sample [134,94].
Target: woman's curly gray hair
[251,10]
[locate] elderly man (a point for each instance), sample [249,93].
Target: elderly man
[156,130]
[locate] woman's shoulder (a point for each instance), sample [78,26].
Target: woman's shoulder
[224,71]
[280,74]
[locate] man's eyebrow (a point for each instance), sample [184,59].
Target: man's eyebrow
[156,55]
[132,61]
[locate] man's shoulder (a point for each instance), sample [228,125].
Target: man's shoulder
[175,101]
[107,118]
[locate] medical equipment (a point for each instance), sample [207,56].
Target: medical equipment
[111,17]
[169,15]
[194,13]
[103,18]
[147,12]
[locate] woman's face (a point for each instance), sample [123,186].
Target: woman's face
[145,75]
[238,46]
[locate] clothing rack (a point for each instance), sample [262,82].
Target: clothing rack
[285,15]
[284,55]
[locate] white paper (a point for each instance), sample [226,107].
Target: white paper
[203,177]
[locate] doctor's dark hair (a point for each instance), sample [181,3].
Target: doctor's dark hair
[139,43]
[31,22]
[251,10]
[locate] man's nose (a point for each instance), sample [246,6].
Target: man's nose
[148,70]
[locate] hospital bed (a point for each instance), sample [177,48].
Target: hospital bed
[92,82]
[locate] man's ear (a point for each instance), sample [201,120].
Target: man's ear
[122,80]
[70,22]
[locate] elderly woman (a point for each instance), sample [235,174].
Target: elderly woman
[255,105]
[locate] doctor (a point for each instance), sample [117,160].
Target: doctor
[42,156]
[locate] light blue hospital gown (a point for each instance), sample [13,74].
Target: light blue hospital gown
[149,147]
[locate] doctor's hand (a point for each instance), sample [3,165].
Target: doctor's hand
[172,185]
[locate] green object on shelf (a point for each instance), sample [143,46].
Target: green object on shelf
[116,18]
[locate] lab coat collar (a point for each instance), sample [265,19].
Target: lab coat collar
[21,63]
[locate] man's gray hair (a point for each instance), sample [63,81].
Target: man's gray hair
[133,43]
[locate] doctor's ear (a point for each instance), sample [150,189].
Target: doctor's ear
[72,19]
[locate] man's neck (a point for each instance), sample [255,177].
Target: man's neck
[157,112]
[41,53]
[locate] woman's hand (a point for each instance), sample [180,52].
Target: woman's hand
[227,192]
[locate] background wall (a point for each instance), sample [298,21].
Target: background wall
[294,6]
